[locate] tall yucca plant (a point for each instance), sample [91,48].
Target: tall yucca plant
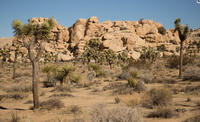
[34,37]
[183,32]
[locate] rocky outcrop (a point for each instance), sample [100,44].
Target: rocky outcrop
[117,36]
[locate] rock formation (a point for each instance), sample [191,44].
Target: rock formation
[65,43]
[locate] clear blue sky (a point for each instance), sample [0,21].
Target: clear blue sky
[66,12]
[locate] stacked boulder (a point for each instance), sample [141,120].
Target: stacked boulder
[65,43]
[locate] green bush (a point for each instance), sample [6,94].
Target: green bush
[134,74]
[75,78]
[98,69]
[49,69]
[132,82]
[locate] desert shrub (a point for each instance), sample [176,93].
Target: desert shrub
[62,95]
[75,109]
[162,30]
[123,56]
[157,97]
[149,55]
[195,118]
[198,103]
[98,69]
[62,89]
[19,88]
[162,112]
[49,69]
[146,76]
[117,100]
[192,73]
[132,82]
[131,100]
[173,61]
[189,89]
[16,96]
[47,84]
[52,104]
[117,114]
[15,117]
[75,78]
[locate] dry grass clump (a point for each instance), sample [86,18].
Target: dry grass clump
[116,114]
[62,95]
[19,88]
[131,100]
[52,104]
[167,80]
[15,117]
[192,73]
[62,89]
[157,97]
[162,112]
[195,118]
[191,89]
[173,61]
[15,95]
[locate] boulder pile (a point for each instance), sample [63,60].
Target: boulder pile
[66,43]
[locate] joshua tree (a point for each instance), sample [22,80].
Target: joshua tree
[15,62]
[183,34]
[33,36]
[64,73]
[4,54]
[110,57]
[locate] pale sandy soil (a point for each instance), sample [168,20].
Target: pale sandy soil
[86,98]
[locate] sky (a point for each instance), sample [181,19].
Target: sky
[66,12]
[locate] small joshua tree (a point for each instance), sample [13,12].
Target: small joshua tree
[110,57]
[15,62]
[4,53]
[93,50]
[34,37]
[64,73]
[183,34]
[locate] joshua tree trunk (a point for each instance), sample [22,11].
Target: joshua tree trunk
[35,70]
[181,60]
[35,80]
[14,66]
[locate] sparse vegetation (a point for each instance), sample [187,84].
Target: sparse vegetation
[157,97]
[117,114]
[162,112]
[192,73]
[173,61]
[52,104]
[15,117]
[98,69]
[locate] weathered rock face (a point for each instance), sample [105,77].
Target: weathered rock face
[117,36]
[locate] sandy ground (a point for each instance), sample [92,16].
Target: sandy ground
[85,98]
